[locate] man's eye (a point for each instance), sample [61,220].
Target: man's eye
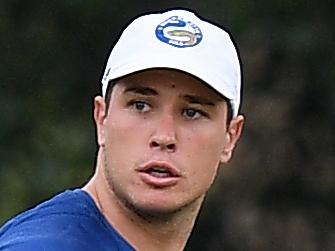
[193,113]
[141,106]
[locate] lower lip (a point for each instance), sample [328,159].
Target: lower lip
[158,182]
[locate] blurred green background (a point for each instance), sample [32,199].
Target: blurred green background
[278,191]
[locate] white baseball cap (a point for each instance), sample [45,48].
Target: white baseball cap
[178,39]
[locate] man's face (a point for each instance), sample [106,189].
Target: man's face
[163,139]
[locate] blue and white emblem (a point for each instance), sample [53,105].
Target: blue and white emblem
[178,32]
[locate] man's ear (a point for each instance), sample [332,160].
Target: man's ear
[99,118]
[232,135]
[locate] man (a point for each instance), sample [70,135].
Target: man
[167,117]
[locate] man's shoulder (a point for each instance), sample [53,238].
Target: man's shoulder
[68,221]
[68,204]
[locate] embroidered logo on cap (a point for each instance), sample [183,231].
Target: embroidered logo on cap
[178,32]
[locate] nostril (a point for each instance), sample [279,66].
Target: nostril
[171,146]
[154,144]
[166,146]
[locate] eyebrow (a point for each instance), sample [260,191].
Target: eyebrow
[199,100]
[146,91]
[193,99]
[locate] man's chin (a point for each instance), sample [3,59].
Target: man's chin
[165,210]
[154,212]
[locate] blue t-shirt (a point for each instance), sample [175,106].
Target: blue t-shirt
[69,221]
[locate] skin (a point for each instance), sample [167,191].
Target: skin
[159,116]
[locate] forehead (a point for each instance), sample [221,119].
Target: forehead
[172,80]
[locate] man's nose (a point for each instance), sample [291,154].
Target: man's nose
[164,136]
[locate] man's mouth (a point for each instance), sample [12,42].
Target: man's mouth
[159,174]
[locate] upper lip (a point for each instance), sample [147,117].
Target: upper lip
[161,165]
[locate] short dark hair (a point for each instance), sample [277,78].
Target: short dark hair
[108,93]
[112,83]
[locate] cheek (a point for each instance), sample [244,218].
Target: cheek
[204,149]
[206,143]
[121,148]
[124,135]
[202,164]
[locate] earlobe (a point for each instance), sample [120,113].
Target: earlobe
[232,135]
[99,118]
